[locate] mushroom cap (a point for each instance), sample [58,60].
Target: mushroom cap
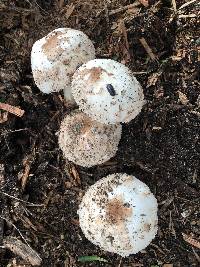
[55,57]
[107,91]
[86,142]
[119,214]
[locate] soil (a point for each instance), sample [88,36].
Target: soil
[161,146]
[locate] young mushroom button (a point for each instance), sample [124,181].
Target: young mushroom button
[119,214]
[55,57]
[86,142]
[107,91]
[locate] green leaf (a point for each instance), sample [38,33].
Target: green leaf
[91,258]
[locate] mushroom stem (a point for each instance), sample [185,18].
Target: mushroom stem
[68,94]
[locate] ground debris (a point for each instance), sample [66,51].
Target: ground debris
[22,250]
[191,240]
[11,109]
[183,98]
[147,48]
[3,116]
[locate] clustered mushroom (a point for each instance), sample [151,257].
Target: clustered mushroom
[55,57]
[107,91]
[117,213]
[87,142]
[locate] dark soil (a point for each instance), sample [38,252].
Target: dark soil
[161,146]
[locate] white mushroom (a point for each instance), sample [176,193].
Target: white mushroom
[107,91]
[86,142]
[119,214]
[55,57]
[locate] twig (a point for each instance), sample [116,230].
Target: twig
[124,32]
[187,4]
[187,16]
[158,248]
[147,48]
[139,72]
[23,201]
[191,240]
[120,262]
[15,229]
[124,8]
[14,110]
[196,255]
[14,131]
[106,11]
[22,250]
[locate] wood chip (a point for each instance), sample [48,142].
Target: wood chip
[174,5]
[75,175]
[11,109]
[147,48]
[68,10]
[167,265]
[22,250]
[3,116]
[61,3]
[144,2]
[191,240]
[24,177]
[153,78]
[183,98]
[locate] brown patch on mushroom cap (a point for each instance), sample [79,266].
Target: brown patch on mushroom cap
[116,212]
[50,48]
[94,73]
[83,124]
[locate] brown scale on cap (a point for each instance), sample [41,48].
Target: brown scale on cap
[50,47]
[95,73]
[83,124]
[116,212]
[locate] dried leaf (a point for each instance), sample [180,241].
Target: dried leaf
[191,240]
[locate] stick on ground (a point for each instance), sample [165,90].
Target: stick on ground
[22,250]
[11,109]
